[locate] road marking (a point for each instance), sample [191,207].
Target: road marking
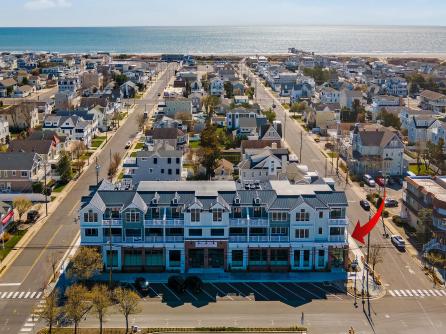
[252,288]
[27,294]
[32,295]
[432,293]
[290,291]
[426,292]
[165,285]
[221,291]
[26,329]
[311,293]
[10,294]
[238,291]
[15,294]
[409,293]
[403,293]
[443,292]
[38,295]
[391,293]
[273,291]
[326,291]
[29,324]
[21,294]
[420,293]
[415,293]
[397,293]
[4,294]
[10,284]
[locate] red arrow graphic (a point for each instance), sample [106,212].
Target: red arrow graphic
[361,231]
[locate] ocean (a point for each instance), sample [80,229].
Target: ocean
[374,40]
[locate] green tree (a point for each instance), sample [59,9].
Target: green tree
[25,81]
[85,263]
[389,119]
[120,78]
[209,103]
[50,310]
[229,89]
[298,107]
[250,93]
[64,168]
[127,304]
[270,115]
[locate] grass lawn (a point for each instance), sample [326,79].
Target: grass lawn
[59,188]
[10,244]
[133,154]
[286,106]
[86,155]
[95,143]
[139,146]
[194,144]
[332,154]
[414,169]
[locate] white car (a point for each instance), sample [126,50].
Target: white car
[398,241]
[369,180]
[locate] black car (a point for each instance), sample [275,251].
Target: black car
[177,283]
[142,284]
[391,203]
[194,284]
[365,204]
[32,216]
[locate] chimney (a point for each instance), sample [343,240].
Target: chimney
[274,145]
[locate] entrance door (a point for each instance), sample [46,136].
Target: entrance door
[196,258]
[216,258]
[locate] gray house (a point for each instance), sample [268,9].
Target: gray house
[162,164]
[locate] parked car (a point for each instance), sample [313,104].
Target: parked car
[380,181]
[176,283]
[194,283]
[32,216]
[142,285]
[391,203]
[128,144]
[398,242]
[365,204]
[369,180]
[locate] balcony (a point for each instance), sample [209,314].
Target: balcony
[174,238]
[337,238]
[236,222]
[114,239]
[238,238]
[279,238]
[134,239]
[112,222]
[258,238]
[154,239]
[338,222]
[164,222]
[258,222]
[434,244]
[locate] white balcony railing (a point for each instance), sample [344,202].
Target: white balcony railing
[258,238]
[134,239]
[279,238]
[113,222]
[258,222]
[337,238]
[338,222]
[238,238]
[238,222]
[174,238]
[162,222]
[114,239]
[154,239]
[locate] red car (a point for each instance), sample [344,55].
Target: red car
[380,181]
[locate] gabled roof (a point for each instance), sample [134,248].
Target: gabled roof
[27,145]
[17,160]
[165,133]
[430,95]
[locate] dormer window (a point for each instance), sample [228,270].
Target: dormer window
[155,201]
[175,200]
[257,200]
[237,200]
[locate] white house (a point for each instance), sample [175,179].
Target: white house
[417,132]
[329,95]
[217,87]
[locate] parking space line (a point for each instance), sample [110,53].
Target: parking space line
[165,285]
[273,291]
[221,291]
[255,291]
[326,291]
[190,294]
[207,293]
[156,293]
[311,293]
[290,291]
[238,291]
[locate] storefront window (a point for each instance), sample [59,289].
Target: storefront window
[258,257]
[337,257]
[279,257]
[175,258]
[154,258]
[320,258]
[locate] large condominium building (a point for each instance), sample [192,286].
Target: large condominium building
[216,226]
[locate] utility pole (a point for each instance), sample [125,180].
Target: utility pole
[110,264]
[300,151]
[44,188]
[97,167]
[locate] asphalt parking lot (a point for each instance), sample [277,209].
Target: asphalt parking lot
[287,292]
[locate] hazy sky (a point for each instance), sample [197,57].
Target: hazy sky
[21,13]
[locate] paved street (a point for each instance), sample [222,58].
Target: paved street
[31,270]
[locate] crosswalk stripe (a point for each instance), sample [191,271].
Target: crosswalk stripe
[21,294]
[29,324]
[403,293]
[32,295]
[420,293]
[415,293]
[26,329]
[38,295]
[15,294]
[409,293]
[397,293]
[4,295]
[437,293]
[391,293]
[432,293]
[426,292]
[10,294]
[27,294]
[443,292]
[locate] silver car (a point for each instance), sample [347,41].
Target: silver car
[398,242]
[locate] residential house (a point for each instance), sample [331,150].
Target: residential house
[437,131]
[302,90]
[164,163]
[129,89]
[7,87]
[396,86]
[66,100]
[347,97]
[241,99]
[217,87]
[217,226]
[90,79]
[174,107]
[47,149]
[433,101]
[380,102]
[234,116]
[238,88]
[271,131]
[171,136]
[20,116]
[426,192]
[76,128]
[322,116]
[329,95]
[224,171]
[376,150]
[20,170]
[24,91]
[68,84]
[417,132]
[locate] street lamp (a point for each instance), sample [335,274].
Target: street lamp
[354,266]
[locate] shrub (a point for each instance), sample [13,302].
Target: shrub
[397,220]
[369,197]
[5,237]
[361,184]
[37,187]
[386,214]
